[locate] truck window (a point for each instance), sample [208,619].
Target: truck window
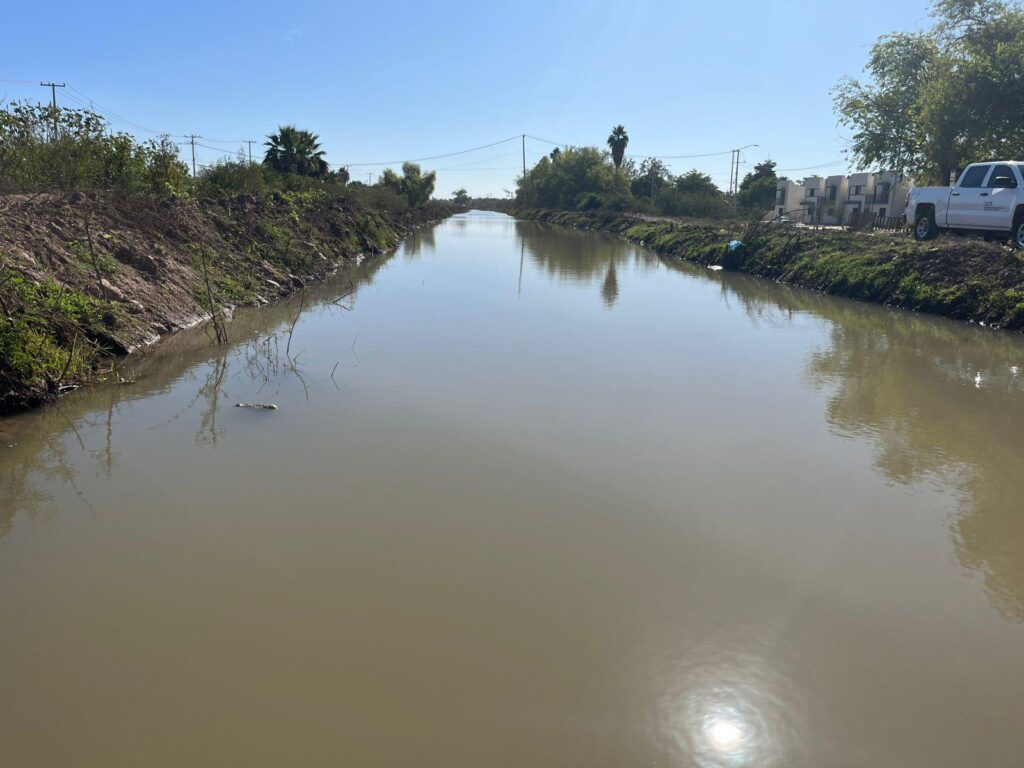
[1002,178]
[974,176]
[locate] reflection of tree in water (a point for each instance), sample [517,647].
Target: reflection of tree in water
[906,383]
[582,257]
[76,436]
[419,242]
[210,393]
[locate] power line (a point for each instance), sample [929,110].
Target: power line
[432,157]
[103,110]
[640,157]
[811,167]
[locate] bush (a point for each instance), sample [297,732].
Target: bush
[46,148]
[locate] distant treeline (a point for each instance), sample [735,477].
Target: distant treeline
[588,178]
[43,148]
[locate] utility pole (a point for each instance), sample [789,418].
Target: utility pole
[524,157]
[192,140]
[734,174]
[369,179]
[250,142]
[53,101]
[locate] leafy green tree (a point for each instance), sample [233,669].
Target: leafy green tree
[692,194]
[939,99]
[460,197]
[617,141]
[45,148]
[577,178]
[295,151]
[414,185]
[757,190]
[649,178]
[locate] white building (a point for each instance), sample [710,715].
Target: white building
[813,201]
[788,195]
[845,200]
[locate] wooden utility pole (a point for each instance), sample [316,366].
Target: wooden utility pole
[53,101]
[524,157]
[250,142]
[192,140]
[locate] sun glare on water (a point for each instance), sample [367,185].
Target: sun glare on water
[724,735]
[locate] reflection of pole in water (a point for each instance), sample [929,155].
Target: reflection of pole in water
[610,289]
[522,252]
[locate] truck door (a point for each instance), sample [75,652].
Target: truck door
[966,201]
[998,204]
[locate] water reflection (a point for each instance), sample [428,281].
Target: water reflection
[43,449]
[435,524]
[582,257]
[906,384]
[727,706]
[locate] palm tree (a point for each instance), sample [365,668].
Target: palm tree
[618,141]
[293,151]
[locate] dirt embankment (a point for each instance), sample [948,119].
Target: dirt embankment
[85,277]
[962,278]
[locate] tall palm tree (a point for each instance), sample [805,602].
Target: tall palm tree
[291,150]
[618,141]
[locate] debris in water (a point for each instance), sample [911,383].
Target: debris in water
[264,406]
[715,267]
[977,380]
[1014,370]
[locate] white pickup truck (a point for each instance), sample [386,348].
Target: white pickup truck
[988,198]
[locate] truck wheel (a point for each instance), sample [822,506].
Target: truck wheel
[924,226]
[1018,230]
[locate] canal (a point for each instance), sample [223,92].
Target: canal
[530,496]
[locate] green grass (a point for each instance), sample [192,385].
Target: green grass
[45,339]
[962,279]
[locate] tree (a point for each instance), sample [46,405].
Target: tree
[295,151]
[460,197]
[617,141]
[652,175]
[414,185]
[577,178]
[757,190]
[940,99]
[692,194]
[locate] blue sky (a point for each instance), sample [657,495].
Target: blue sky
[391,80]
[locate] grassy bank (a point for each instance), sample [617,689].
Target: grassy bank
[961,278]
[85,277]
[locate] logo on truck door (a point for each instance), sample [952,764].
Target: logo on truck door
[991,206]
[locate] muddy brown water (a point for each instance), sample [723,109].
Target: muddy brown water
[532,497]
